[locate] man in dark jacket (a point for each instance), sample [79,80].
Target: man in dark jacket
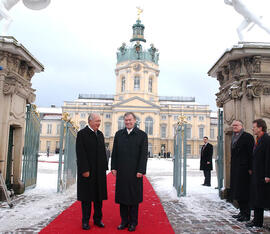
[206,161]
[92,165]
[241,156]
[260,177]
[128,164]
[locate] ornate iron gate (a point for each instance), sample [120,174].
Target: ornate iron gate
[31,147]
[9,172]
[220,164]
[67,175]
[180,158]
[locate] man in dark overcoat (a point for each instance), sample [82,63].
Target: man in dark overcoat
[128,164]
[260,176]
[206,161]
[92,165]
[241,157]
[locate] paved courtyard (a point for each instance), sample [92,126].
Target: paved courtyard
[201,211]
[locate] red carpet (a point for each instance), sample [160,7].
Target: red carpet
[152,217]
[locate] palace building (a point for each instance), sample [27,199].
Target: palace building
[137,74]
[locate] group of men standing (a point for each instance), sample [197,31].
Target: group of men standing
[250,171]
[128,165]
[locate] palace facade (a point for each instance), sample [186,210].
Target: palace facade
[137,74]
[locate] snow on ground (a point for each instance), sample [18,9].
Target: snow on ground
[34,209]
[36,206]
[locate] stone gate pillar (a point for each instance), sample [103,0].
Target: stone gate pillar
[243,73]
[18,68]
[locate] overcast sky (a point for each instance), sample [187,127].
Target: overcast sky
[77,41]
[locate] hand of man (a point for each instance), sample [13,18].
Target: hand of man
[208,162]
[139,175]
[86,174]
[250,172]
[114,172]
[267,180]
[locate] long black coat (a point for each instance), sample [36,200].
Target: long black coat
[129,156]
[91,156]
[260,191]
[241,157]
[206,156]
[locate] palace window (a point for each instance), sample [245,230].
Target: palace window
[123,84]
[163,131]
[83,115]
[121,124]
[201,118]
[58,129]
[201,132]
[138,122]
[108,129]
[163,117]
[136,83]
[49,129]
[149,126]
[82,124]
[212,133]
[188,117]
[108,116]
[188,131]
[150,85]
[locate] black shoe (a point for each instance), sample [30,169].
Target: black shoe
[237,216]
[99,224]
[131,228]
[243,218]
[253,224]
[203,184]
[209,185]
[122,226]
[85,226]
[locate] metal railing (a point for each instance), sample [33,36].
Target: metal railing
[31,147]
[180,161]
[219,160]
[67,168]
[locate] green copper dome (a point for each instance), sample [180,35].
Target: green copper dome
[135,50]
[138,30]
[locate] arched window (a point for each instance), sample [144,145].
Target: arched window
[123,84]
[150,85]
[121,124]
[108,129]
[149,126]
[136,83]
[82,124]
[138,122]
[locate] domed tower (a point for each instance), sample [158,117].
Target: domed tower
[137,68]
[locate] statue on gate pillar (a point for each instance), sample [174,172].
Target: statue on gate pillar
[6,5]
[250,19]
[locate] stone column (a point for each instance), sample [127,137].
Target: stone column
[243,73]
[18,68]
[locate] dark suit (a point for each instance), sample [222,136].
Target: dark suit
[206,162]
[129,157]
[260,191]
[241,157]
[91,156]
